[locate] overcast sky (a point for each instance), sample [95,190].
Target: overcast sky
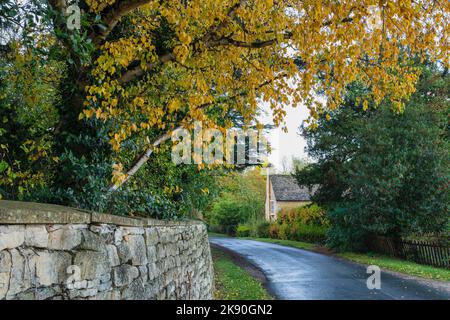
[286,144]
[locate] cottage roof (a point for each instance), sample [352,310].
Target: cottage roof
[286,188]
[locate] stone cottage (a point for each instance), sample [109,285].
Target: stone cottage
[282,191]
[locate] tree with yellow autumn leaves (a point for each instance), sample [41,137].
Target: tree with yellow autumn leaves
[147,67]
[232,53]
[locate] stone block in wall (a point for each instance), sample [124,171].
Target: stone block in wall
[42,293]
[108,295]
[92,241]
[151,253]
[104,286]
[19,212]
[102,229]
[133,249]
[143,272]
[169,263]
[91,292]
[160,251]
[124,252]
[171,294]
[5,272]
[161,295]
[153,271]
[22,271]
[151,236]
[137,248]
[92,264]
[118,236]
[177,261]
[123,275]
[136,290]
[36,236]
[100,218]
[113,256]
[93,283]
[51,267]
[63,237]
[105,278]
[132,231]
[11,236]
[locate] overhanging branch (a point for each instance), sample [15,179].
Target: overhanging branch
[166,136]
[112,15]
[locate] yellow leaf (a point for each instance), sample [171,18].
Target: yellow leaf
[365,105]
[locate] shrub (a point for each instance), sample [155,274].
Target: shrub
[342,236]
[313,215]
[306,223]
[273,230]
[293,230]
[228,214]
[311,233]
[282,215]
[284,231]
[310,214]
[262,229]
[243,230]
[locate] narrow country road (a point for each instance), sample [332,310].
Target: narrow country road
[300,274]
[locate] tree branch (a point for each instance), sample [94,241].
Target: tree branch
[166,136]
[227,41]
[142,160]
[138,71]
[112,15]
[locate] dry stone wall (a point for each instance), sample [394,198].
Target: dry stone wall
[55,252]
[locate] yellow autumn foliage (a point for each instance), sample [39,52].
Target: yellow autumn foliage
[237,52]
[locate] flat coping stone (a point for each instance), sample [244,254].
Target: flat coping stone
[102,218]
[149,222]
[19,212]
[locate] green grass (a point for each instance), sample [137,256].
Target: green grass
[398,265]
[215,234]
[289,243]
[234,283]
[385,262]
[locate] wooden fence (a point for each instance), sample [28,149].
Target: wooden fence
[431,252]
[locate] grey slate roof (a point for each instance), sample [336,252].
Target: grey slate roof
[286,188]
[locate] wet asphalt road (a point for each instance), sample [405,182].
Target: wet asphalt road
[300,274]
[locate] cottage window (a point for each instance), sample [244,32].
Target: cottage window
[272,206]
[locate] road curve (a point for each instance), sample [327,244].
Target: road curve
[296,274]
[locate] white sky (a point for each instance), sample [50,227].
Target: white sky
[286,144]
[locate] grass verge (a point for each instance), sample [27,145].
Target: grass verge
[289,243]
[215,234]
[234,283]
[398,265]
[384,262]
